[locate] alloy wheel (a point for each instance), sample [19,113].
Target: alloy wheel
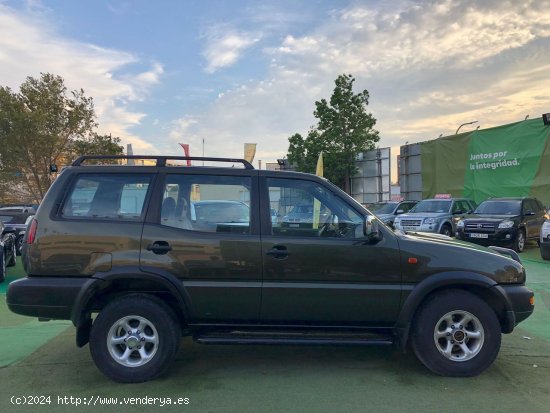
[459,335]
[132,341]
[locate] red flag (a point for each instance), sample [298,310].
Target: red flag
[185,147]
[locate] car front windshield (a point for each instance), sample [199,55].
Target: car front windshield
[499,208]
[435,206]
[383,208]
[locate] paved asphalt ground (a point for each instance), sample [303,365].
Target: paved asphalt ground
[41,359]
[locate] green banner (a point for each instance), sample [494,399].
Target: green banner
[503,161]
[506,161]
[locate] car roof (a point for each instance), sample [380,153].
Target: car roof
[446,199]
[508,199]
[215,201]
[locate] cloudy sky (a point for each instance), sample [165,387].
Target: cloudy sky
[230,72]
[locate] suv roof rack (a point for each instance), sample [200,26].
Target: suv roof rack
[161,160]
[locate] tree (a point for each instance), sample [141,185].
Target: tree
[97,145]
[343,130]
[41,125]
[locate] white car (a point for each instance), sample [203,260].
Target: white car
[545,240]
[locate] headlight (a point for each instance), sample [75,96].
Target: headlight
[460,224]
[506,224]
[431,220]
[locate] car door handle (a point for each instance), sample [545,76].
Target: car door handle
[159,247]
[278,252]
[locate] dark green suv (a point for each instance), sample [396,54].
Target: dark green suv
[119,251]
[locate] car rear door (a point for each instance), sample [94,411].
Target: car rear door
[214,253]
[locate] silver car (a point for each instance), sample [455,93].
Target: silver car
[545,238]
[435,215]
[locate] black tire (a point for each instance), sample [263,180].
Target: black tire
[446,229]
[483,350]
[13,258]
[135,307]
[19,244]
[2,266]
[545,251]
[519,242]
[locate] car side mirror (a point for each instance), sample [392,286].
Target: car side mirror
[458,212]
[371,228]
[399,212]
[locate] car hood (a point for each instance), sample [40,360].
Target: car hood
[489,217]
[424,215]
[437,253]
[384,217]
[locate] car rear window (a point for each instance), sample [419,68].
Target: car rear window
[107,196]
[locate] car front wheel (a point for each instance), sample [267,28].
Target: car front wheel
[446,230]
[2,266]
[13,259]
[135,339]
[519,244]
[456,334]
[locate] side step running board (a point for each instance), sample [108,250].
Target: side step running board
[240,337]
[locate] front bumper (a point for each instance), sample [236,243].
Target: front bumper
[418,228]
[45,297]
[519,304]
[499,237]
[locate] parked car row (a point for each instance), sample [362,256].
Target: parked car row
[7,250]
[13,224]
[508,222]
[16,224]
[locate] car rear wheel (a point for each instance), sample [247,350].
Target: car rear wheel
[457,334]
[135,339]
[519,243]
[545,251]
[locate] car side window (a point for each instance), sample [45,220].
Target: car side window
[457,206]
[529,206]
[307,209]
[534,205]
[107,197]
[465,207]
[207,203]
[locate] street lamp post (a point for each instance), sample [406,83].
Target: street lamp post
[464,124]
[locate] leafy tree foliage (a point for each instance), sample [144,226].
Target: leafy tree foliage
[343,130]
[40,125]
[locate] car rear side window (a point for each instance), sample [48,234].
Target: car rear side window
[107,197]
[207,203]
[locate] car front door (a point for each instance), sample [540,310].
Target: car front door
[203,231]
[322,269]
[532,218]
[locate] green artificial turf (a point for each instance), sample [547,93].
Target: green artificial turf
[294,379]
